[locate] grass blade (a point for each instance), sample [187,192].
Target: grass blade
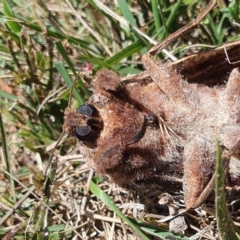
[68,81]
[6,157]
[8,96]
[126,12]
[106,199]
[13,25]
[156,15]
[70,65]
[225,224]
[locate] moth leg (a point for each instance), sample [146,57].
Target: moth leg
[235,150]
[232,90]
[232,95]
[197,180]
[197,173]
[167,79]
[148,119]
[231,108]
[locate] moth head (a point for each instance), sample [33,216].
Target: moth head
[90,130]
[85,123]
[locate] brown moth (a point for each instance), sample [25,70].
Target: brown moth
[158,130]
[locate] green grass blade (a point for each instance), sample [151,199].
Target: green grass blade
[174,13]
[126,12]
[6,156]
[68,81]
[156,15]
[75,41]
[234,9]
[8,96]
[13,25]
[128,51]
[157,232]
[62,51]
[106,199]
[70,65]
[225,224]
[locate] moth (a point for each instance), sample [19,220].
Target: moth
[157,130]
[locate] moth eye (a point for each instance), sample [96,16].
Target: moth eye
[91,131]
[83,133]
[88,110]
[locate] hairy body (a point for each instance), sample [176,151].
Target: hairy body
[179,146]
[158,129]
